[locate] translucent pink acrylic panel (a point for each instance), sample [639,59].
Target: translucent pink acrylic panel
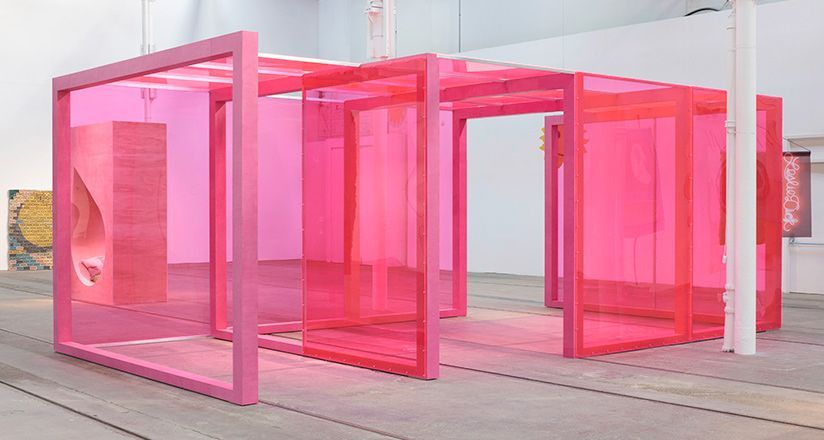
[632,214]
[458,71]
[445,212]
[363,208]
[553,141]
[709,158]
[279,211]
[140,226]
[769,174]
[709,189]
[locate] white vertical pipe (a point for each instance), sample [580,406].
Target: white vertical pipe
[389,27]
[146,47]
[729,231]
[380,45]
[745,176]
[380,33]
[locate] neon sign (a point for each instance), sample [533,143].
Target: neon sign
[796,196]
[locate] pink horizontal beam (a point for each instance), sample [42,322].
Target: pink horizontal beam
[552,81]
[291,326]
[509,109]
[666,96]
[292,346]
[171,376]
[381,70]
[163,60]
[269,87]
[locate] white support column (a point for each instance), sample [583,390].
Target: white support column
[380,34]
[745,176]
[380,45]
[146,47]
[729,220]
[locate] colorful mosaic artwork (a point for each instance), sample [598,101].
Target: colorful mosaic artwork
[30,230]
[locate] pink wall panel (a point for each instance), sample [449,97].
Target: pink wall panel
[651,161]
[371,240]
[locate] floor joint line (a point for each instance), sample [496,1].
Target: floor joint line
[647,399]
[75,411]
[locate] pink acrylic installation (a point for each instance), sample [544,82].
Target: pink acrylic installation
[213,200]
[132,200]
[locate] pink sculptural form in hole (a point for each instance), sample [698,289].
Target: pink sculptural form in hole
[119,254]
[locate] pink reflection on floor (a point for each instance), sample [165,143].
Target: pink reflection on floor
[517,321]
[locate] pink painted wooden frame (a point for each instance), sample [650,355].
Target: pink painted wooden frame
[242,47]
[608,99]
[426,316]
[553,129]
[553,81]
[488,98]
[540,82]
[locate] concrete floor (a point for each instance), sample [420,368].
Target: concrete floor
[487,390]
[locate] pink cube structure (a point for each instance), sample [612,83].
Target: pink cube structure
[135,214]
[124,166]
[210,200]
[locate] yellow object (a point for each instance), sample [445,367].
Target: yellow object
[36,211]
[543,140]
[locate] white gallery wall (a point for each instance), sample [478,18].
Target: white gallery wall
[683,50]
[48,38]
[805,258]
[449,26]
[639,38]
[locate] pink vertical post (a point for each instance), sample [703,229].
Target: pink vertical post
[341,330]
[459,269]
[244,219]
[217,214]
[552,130]
[683,213]
[573,219]
[428,192]
[380,270]
[61,215]
[351,226]
[772,216]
